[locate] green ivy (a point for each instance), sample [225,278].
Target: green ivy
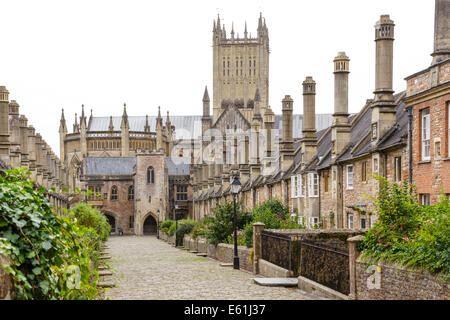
[51,255]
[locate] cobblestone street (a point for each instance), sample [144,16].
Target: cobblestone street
[147,268]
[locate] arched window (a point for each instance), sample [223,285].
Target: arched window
[114,193]
[150,175]
[130,193]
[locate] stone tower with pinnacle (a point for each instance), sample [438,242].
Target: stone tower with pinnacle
[240,66]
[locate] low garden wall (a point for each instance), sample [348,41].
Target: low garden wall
[6,284]
[386,281]
[222,252]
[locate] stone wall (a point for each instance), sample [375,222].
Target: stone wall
[6,285]
[222,252]
[392,282]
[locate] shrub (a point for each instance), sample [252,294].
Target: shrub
[220,225]
[184,227]
[165,225]
[52,255]
[407,233]
[87,216]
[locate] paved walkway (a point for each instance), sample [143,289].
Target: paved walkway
[148,268]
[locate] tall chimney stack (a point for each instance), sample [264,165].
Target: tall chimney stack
[287,144]
[383,107]
[4,124]
[441,31]
[309,135]
[340,134]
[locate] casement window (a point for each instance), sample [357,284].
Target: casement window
[425,199]
[294,193]
[300,219]
[363,223]
[375,165]
[300,190]
[313,222]
[114,193]
[350,177]
[397,168]
[371,221]
[181,193]
[313,184]
[364,171]
[425,130]
[96,193]
[130,193]
[350,220]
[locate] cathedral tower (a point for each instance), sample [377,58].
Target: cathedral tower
[240,66]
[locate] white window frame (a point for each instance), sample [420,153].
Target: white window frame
[350,186]
[398,168]
[350,222]
[313,184]
[313,222]
[300,219]
[425,138]
[294,187]
[300,186]
[365,222]
[425,199]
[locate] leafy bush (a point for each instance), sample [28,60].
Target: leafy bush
[52,255]
[408,233]
[87,216]
[165,225]
[184,227]
[220,225]
[200,228]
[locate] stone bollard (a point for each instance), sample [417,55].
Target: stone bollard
[353,255]
[258,227]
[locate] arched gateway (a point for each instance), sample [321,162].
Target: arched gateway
[111,221]
[150,225]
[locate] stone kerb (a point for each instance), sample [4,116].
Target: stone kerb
[6,284]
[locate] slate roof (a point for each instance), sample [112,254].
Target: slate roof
[110,165]
[190,127]
[178,166]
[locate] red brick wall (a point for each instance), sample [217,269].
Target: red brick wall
[434,175]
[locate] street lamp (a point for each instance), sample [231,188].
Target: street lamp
[157,224]
[176,222]
[235,187]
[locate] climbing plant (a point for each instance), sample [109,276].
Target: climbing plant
[52,256]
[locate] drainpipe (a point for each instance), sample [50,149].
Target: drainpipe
[410,133]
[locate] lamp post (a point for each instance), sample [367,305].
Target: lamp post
[235,187]
[176,222]
[157,224]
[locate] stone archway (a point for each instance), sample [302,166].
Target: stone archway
[149,226]
[111,221]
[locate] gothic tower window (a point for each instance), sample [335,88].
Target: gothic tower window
[150,175]
[130,193]
[114,193]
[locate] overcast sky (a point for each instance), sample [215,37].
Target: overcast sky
[61,54]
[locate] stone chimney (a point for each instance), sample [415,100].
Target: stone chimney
[441,31]
[309,134]
[4,125]
[340,134]
[287,143]
[383,107]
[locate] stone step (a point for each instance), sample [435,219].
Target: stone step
[276,282]
[106,285]
[103,268]
[193,251]
[223,264]
[105,257]
[202,254]
[104,273]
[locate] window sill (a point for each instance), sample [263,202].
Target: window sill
[424,161]
[446,159]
